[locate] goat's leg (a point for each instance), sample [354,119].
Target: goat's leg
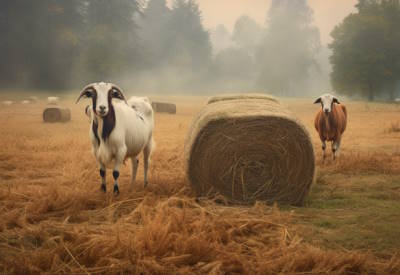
[119,159]
[335,148]
[103,186]
[146,160]
[323,150]
[135,164]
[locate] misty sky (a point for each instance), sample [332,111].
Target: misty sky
[327,13]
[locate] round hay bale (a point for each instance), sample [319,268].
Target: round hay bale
[56,114]
[162,107]
[249,148]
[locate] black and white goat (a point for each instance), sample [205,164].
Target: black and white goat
[118,131]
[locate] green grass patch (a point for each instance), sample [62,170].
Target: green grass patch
[352,212]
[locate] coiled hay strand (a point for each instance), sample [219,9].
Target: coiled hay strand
[56,114]
[241,97]
[249,148]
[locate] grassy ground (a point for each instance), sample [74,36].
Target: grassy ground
[359,212]
[55,219]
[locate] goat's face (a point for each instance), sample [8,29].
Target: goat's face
[101,95]
[326,101]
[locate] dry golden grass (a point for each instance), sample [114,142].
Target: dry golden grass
[55,219]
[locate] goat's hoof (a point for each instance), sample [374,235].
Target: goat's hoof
[103,188]
[145,184]
[116,190]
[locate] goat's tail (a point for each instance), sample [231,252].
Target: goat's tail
[151,146]
[344,110]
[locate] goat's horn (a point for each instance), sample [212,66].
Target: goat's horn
[120,94]
[84,93]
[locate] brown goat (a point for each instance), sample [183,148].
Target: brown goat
[330,122]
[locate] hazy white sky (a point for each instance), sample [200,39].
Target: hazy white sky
[327,13]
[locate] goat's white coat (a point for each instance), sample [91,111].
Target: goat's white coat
[132,134]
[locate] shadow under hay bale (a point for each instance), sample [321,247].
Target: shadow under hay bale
[56,114]
[249,148]
[162,107]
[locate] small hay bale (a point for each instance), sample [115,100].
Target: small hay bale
[56,114]
[7,102]
[34,99]
[25,102]
[162,107]
[249,148]
[53,100]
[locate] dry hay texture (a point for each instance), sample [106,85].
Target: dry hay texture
[163,107]
[248,148]
[56,114]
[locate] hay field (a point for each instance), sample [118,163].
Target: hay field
[55,219]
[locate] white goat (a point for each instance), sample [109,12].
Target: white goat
[53,100]
[118,131]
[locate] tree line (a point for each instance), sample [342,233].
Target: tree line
[149,45]
[59,44]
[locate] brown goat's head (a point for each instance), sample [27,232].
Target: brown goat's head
[326,101]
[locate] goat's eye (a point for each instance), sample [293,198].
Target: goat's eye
[116,94]
[88,94]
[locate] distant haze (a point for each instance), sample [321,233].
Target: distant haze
[327,13]
[171,46]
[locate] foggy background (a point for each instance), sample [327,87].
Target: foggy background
[282,47]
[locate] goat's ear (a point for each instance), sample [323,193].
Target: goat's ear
[87,110]
[318,100]
[335,100]
[86,92]
[116,92]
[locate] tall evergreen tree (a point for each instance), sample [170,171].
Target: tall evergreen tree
[247,34]
[111,47]
[41,41]
[154,32]
[288,49]
[189,43]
